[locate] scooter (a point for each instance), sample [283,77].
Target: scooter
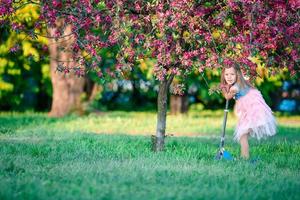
[222,153]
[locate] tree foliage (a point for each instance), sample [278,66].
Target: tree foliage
[179,34]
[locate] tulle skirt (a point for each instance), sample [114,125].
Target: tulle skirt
[254,116]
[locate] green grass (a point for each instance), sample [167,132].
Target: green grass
[108,156]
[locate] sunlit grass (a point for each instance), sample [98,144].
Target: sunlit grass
[204,123]
[108,156]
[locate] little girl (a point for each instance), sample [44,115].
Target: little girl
[255,117]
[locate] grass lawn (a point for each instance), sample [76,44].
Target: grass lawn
[108,156]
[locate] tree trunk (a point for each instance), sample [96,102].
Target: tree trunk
[95,92]
[179,104]
[67,88]
[136,96]
[161,114]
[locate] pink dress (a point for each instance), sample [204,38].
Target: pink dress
[254,115]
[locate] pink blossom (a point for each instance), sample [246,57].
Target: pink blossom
[186,62]
[178,89]
[175,71]
[201,68]
[79,72]
[56,4]
[108,19]
[232,4]
[16,26]
[98,58]
[295,55]
[98,18]
[66,70]
[99,74]
[45,48]
[91,49]
[208,37]
[137,6]
[72,18]
[15,48]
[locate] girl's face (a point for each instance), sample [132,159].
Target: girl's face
[230,75]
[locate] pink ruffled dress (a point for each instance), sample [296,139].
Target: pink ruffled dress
[254,115]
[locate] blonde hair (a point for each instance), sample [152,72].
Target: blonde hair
[240,80]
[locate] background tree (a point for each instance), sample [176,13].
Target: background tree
[24,67]
[67,87]
[63,49]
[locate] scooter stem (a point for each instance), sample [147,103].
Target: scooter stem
[224,124]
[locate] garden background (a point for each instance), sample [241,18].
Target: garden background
[100,147]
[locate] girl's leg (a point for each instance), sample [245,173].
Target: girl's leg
[244,146]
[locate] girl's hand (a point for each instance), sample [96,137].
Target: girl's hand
[229,91]
[225,87]
[233,90]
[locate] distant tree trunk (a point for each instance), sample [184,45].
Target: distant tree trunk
[92,90]
[88,87]
[162,114]
[95,91]
[179,104]
[66,88]
[136,95]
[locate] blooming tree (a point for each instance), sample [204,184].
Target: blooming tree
[182,35]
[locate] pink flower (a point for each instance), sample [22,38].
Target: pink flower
[232,4]
[100,74]
[201,68]
[175,71]
[15,48]
[66,70]
[295,55]
[91,50]
[56,4]
[45,48]
[79,72]
[72,18]
[98,18]
[207,37]
[108,19]
[98,58]
[89,9]
[137,6]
